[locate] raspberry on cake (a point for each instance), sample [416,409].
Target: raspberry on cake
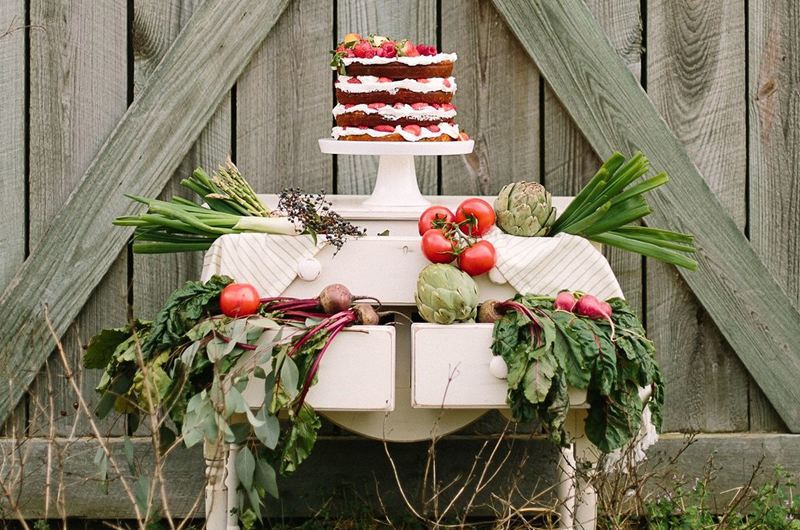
[393,90]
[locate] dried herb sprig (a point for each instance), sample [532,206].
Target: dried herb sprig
[317,215]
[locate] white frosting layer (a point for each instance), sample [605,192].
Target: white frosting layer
[422,60]
[406,111]
[369,83]
[444,128]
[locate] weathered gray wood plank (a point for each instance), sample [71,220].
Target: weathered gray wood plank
[283,103]
[614,113]
[774,161]
[412,19]
[569,161]
[695,78]
[144,149]
[356,472]
[78,82]
[155,27]
[497,101]
[12,153]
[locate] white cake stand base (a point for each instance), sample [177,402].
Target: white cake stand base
[396,185]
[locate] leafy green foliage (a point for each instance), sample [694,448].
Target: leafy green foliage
[547,350]
[192,364]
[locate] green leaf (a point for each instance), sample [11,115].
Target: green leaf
[290,377]
[245,465]
[101,461]
[141,491]
[265,478]
[613,420]
[102,346]
[127,447]
[268,430]
[240,432]
[166,437]
[539,378]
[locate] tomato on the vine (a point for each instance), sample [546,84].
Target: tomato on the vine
[433,214]
[437,247]
[238,300]
[475,217]
[478,258]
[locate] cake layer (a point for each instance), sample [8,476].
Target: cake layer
[443,132]
[398,114]
[397,96]
[400,71]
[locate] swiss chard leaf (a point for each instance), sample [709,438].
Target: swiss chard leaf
[182,311]
[613,420]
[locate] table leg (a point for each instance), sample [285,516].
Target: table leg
[216,491]
[232,485]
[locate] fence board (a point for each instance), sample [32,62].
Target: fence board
[414,20]
[283,104]
[12,151]
[569,161]
[497,101]
[774,162]
[155,27]
[144,149]
[614,113]
[78,93]
[695,78]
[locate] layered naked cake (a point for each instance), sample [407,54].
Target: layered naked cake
[391,90]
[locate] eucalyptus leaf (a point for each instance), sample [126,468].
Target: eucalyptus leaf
[245,465]
[265,478]
[127,447]
[268,430]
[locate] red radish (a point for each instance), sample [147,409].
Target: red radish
[565,301]
[593,308]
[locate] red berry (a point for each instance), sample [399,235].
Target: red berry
[419,106]
[350,53]
[376,105]
[409,50]
[416,130]
[364,50]
[384,80]
[447,83]
[399,106]
[436,106]
[354,80]
[447,107]
[349,105]
[423,80]
[380,52]
[422,49]
[363,127]
[384,128]
[463,136]
[433,128]
[388,49]
[432,50]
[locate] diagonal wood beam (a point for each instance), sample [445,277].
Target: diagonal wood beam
[138,158]
[614,113]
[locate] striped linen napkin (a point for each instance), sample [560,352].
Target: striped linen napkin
[275,257]
[547,265]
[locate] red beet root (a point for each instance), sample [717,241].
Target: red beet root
[335,298]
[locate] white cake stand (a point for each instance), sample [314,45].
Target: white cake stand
[396,185]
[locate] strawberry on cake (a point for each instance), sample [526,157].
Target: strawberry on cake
[390,90]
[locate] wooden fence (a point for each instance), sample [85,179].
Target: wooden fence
[541,93]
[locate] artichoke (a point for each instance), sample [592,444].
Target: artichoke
[446,295]
[524,209]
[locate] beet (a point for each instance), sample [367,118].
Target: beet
[366,315]
[565,301]
[335,298]
[489,312]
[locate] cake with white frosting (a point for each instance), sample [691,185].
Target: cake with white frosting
[391,90]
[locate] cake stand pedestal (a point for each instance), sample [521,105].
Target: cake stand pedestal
[396,185]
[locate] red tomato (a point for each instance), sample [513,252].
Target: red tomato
[432,214]
[238,300]
[437,247]
[480,215]
[478,258]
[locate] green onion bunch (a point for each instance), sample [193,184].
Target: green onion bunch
[604,210]
[231,207]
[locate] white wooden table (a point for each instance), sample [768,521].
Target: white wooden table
[429,380]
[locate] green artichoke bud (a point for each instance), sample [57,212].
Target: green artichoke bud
[524,209]
[446,294]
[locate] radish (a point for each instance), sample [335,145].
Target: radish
[590,306]
[565,301]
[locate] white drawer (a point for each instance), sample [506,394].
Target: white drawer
[450,368]
[355,374]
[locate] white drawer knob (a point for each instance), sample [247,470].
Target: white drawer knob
[309,269]
[498,367]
